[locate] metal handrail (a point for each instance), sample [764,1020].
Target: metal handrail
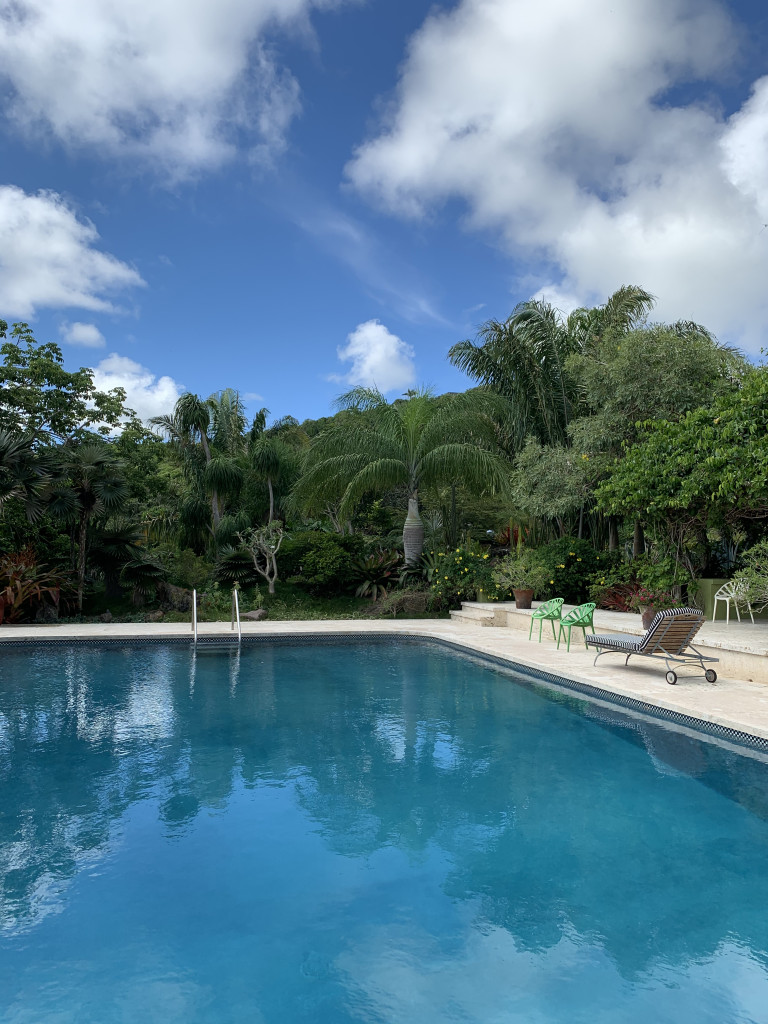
[236,613]
[194,614]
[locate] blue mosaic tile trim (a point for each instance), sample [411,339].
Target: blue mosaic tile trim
[221,643]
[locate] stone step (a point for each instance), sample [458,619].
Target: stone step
[472,618]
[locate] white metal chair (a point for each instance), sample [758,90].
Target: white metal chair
[736,591]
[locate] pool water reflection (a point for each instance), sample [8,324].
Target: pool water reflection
[385,832]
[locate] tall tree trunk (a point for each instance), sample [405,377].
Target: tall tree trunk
[581,522]
[82,541]
[413,532]
[271,500]
[215,511]
[638,541]
[613,534]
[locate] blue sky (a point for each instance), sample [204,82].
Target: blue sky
[290,196]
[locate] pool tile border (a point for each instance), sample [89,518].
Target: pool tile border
[737,737]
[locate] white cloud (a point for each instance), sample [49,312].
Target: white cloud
[48,257]
[87,335]
[551,122]
[146,394]
[379,358]
[172,81]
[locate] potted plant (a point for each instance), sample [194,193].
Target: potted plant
[524,575]
[649,601]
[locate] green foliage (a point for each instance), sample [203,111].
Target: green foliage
[754,573]
[141,576]
[191,571]
[570,564]
[320,562]
[40,397]
[550,481]
[710,468]
[623,586]
[376,574]
[526,571]
[460,575]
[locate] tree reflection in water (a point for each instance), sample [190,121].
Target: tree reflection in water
[552,817]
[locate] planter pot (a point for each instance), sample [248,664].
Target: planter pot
[523,598]
[647,614]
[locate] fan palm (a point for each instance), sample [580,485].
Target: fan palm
[91,486]
[24,472]
[407,444]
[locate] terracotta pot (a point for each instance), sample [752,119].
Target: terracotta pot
[523,598]
[647,614]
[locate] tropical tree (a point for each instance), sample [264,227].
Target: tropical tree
[273,455]
[91,486]
[406,444]
[524,358]
[208,436]
[24,472]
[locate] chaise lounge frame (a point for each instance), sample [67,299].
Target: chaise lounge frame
[669,639]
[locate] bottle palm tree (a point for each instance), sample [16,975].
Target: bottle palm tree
[407,444]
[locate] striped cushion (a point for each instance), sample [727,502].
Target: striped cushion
[670,632]
[621,641]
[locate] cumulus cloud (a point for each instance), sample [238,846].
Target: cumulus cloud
[87,335]
[171,81]
[554,124]
[146,394]
[379,358]
[48,257]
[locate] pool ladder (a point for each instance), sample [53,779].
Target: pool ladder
[235,615]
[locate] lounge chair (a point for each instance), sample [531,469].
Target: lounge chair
[550,611]
[668,638]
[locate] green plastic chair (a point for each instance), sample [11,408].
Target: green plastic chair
[551,611]
[580,617]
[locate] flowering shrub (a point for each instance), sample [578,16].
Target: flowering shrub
[460,575]
[571,565]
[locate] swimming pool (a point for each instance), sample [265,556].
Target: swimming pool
[383,832]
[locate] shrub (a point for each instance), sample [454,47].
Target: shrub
[26,586]
[188,570]
[625,586]
[321,563]
[570,564]
[754,573]
[460,575]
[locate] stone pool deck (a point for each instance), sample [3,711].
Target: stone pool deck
[733,702]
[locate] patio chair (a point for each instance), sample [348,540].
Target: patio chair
[736,591]
[668,638]
[548,611]
[579,617]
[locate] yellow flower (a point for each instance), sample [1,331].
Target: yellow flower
[597,557]
[551,581]
[485,556]
[571,552]
[458,550]
[578,559]
[561,566]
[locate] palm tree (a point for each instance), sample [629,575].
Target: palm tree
[24,472]
[407,444]
[209,436]
[91,487]
[273,455]
[523,358]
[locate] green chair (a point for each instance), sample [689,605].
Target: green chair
[550,610]
[580,617]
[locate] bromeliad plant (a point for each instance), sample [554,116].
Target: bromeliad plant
[25,586]
[376,574]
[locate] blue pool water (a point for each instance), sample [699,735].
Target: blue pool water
[373,833]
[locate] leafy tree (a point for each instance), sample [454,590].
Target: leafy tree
[39,397]
[263,545]
[408,444]
[708,468]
